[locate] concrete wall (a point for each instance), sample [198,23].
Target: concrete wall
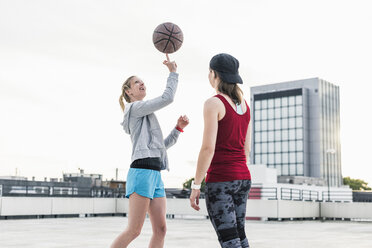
[13,206]
[352,210]
[261,174]
[262,208]
[18,206]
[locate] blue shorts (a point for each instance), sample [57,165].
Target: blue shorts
[144,182]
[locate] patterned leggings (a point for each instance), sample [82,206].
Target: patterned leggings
[226,205]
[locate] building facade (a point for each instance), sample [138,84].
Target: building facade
[296,129]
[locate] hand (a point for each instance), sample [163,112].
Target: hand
[172,66]
[182,122]
[194,199]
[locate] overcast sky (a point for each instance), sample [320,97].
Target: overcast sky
[62,64]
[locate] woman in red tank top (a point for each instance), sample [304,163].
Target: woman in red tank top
[224,152]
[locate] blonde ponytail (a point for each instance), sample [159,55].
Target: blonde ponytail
[124,95]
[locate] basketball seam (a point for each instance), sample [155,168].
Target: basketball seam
[167,28]
[171,32]
[158,32]
[160,40]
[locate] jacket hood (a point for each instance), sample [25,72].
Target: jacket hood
[125,122]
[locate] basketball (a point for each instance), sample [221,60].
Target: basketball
[167,37]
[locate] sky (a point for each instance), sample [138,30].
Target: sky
[62,64]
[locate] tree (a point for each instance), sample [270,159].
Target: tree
[187,184]
[356,184]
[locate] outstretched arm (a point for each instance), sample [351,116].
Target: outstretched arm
[142,108]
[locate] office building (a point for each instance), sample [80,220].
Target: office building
[296,129]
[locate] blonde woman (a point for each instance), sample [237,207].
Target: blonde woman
[224,152]
[144,186]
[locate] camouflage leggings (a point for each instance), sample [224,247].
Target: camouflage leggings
[226,204]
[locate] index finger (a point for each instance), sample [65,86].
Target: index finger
[167,57]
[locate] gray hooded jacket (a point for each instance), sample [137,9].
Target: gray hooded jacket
[144,129]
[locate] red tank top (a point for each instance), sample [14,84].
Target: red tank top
[229,161]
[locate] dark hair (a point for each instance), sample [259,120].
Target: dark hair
[232,90]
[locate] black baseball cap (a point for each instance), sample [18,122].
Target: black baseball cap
[227,67]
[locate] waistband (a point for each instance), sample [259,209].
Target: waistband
[147,163]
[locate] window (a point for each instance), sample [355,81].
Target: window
[284,123]
[257,105]
[277,102]
[299,100]
[257,159]
[299,145]
[278,136]
[264,148]
[300,169]
[285,134]
[278,158]
[292,157]
[257,115]
[285,146]
[300,157]
[271,136]
[264,125]
[299,133]
[277,124]
[264,114]
[264,104]
[284,112]
[257,137]
[257,148]
[285,157]
[271,124]
[271,146]
[264,136]
[278,113]
[298,122]
[299,110]
[271,158]
[278,146]
[257,126]
[284,101]
[264,159]
[270,114]
[292,146]
[270,103]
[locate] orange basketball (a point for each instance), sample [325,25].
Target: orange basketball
[167,37]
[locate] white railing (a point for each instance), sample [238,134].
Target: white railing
[264,209]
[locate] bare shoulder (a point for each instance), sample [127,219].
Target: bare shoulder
[214,107]
[213,102]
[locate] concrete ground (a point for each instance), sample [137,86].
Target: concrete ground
[99,232]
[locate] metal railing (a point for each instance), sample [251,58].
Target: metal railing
[267,193]
[290,194]
[310,195]
[337,196]
[60,191]
[256,192]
